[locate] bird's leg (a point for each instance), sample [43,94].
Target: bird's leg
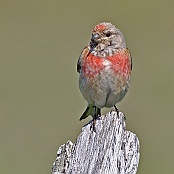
[97,113]
[116,109]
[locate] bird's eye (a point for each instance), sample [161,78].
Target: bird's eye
[108,34]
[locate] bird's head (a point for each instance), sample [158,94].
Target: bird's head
[106,40]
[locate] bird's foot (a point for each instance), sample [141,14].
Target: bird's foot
[97,114]
[117,111]
[93,125]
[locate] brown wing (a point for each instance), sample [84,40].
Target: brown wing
[128,52]
[82,56]
[79,64]
[131,60]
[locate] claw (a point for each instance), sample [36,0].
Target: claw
[116,109]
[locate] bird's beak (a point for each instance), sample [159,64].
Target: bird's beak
[95,37]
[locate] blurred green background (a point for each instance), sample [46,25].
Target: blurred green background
[40,103]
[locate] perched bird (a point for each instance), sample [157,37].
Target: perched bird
[104,68]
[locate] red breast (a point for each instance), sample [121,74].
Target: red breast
[120,63]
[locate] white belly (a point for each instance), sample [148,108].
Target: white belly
[104,89]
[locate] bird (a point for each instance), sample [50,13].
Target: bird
[104,68]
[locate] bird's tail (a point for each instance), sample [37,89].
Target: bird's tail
[91,110]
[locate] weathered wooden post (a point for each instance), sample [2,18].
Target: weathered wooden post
[111,149]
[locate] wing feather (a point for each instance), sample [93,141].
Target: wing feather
[82,56]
